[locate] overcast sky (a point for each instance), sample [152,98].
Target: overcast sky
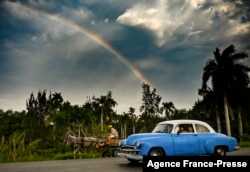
[87,48]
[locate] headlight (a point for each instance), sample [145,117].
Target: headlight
[138,144]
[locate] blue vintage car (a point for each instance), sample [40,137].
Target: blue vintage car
[177,138]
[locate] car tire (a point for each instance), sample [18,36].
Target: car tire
[156,152]
[220,151]
[132,161]
[115,153]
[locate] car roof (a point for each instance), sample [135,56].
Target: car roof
[178,121]
[187,121]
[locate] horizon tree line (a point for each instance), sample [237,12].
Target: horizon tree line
[49,117]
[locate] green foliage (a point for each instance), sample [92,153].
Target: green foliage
[38,134]
[245,138]
[68,155]
[244,144]
[229,83]
[15,149]
[150,108]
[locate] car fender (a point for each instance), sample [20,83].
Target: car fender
[122,142]
[220,140]
[165,144]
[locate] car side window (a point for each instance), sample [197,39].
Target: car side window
[184,128]
[176,129]
[201,129]
[168,128]
[163,128]
[190,129]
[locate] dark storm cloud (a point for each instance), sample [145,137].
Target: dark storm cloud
[167,41]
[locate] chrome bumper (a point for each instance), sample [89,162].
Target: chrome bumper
[236,147]
[130,156]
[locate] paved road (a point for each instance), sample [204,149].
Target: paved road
[87,165]
[241,152]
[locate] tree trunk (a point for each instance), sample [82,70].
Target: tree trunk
[133,128]
[218,120]
[227,120]
[122,135]
[231,112]
[240,123]
[125,130]
[101,119]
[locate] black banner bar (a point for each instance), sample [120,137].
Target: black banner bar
[151,164]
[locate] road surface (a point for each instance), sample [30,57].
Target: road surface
[115,164]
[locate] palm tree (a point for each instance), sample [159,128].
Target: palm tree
[124,120]
[226,74]
[106,104]
[239,99]
[57,100]
[54,104]
[169,109]
[209,99]
[133,117]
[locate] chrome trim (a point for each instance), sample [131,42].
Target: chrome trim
[128,146]
[130,156]
[138,144]
[236,147]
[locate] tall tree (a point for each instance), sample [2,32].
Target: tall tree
[169,109]
[211,105]
[57,100]
[239,99]
[37,111]
[150,105]
[124,120]
[226,74]
[54,103]
[133,117]
[105,103]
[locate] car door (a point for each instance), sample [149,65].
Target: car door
[186,143]
[203,135]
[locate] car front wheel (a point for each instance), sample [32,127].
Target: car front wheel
[156,152]
[115,153]
[220,151]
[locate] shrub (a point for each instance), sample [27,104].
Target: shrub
[245,138]
[15,149]
[244,144]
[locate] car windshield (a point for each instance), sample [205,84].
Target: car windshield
[163,128]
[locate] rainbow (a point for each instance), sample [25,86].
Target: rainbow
[85,32]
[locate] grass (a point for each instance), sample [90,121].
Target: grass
[244,144]
[14,149]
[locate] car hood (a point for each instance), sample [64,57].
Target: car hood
[132,139]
